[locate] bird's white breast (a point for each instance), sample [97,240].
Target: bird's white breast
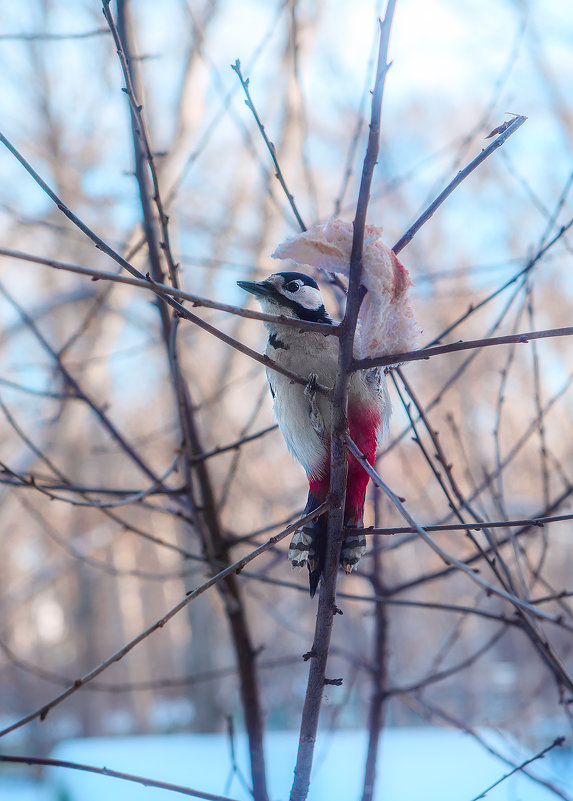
[306,354]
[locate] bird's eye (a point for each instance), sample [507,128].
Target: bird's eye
[292,286]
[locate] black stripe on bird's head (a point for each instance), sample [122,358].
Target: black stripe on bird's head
[289,293]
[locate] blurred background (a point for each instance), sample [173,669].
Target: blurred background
[92,550]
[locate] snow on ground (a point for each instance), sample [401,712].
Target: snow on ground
[21,789]
[416,764]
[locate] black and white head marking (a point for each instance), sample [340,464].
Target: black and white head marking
[296,292]
[299,288]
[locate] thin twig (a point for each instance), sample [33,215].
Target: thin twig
[542,251]
[447,557]
[462,726]
[439,350]
[164,289]
[52,37]
[437,676]
[226,108]
[181,310]
[114,774]
[556,504]
[143,151]
[543,448]
[461,176]
[100,413]
[360,120]
[232,569]
[538,522]
[236,67]
[461,369]
[555,744]
[377,704]
[504,577]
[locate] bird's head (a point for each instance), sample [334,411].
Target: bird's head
[290,294]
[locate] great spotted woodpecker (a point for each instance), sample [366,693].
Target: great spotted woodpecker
[304,415]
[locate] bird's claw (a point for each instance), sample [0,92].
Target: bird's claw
[352,551]
[310,388]
[302,548]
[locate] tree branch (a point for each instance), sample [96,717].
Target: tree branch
[232,569]
[439,350]
[114,774]
[540,754]
[179,308]
[236,67]
[160,289]
[450,560]
[338,451]
[461,176]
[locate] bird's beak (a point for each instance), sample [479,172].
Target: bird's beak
[260,288]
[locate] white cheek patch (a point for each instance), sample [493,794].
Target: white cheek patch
[307,296]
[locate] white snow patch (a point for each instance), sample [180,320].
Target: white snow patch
[433,764]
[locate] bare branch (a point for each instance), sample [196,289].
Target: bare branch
[537,522]
[338,450]
[439,350]
[459,724]
[52,37]
[164,289]
[542,250]
[555,504]
[232,569]
[181,310]
[540,754]
[236,67]
[80,393]
[448,558]
[114,774]
[461,176]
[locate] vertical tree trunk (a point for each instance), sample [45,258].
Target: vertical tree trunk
[378,697]
[204,511]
